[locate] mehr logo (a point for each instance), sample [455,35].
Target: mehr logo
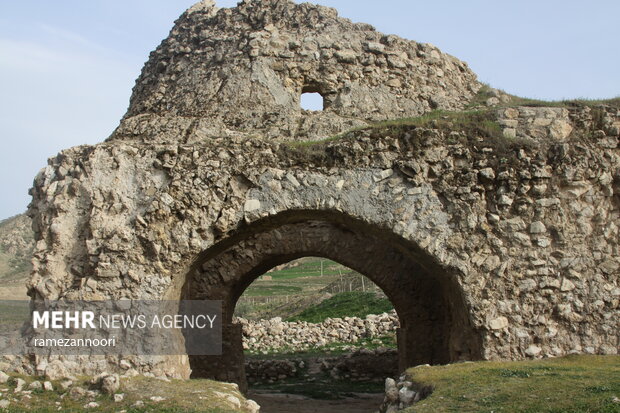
[86,319]
[63,319]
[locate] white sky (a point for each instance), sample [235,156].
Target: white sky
[67,66]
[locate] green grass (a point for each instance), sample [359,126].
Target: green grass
[288,291]
[572,384]
[519,101]
[478,128]
[465,118]
[347,304]
[294,283]
[479,121]
[485,92]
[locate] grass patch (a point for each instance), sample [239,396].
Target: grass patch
[513,373]
[519,101]
[347,304]
[302,284]
[480,122]
[477,127]
[181,396]
[485,93]
[564,385]
[477,118]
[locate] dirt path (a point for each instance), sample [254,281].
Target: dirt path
[292,403]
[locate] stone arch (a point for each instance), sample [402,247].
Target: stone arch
[435,326]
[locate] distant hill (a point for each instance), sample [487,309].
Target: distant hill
[346,304]
[292,288]
[16,246]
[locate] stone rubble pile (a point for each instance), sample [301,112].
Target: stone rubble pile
[271,371]
[402,394]
[24,388]
[363,364]
[92,391]
[275,334]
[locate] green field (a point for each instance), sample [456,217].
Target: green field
[293,288]
[346,304]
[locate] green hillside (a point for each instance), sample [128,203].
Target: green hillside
[347,304]
[292,288]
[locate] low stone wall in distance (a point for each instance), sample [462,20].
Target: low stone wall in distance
[275,334]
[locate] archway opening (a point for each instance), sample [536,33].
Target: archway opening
[434,318]
[292,290]
[313,327]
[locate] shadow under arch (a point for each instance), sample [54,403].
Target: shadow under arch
[434,317]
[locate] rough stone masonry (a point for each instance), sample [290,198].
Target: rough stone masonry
[488,247]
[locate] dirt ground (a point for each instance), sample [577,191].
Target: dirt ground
[287,403]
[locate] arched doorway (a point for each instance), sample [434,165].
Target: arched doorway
[314,328]
[434,318]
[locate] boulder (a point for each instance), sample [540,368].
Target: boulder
[110,384]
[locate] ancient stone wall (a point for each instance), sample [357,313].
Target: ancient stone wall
[359,365]
[275,334]
[488,246]
[528,235]
[243,70]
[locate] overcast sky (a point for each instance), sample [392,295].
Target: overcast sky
[67,66]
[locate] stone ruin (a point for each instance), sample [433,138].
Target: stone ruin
[489,248]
